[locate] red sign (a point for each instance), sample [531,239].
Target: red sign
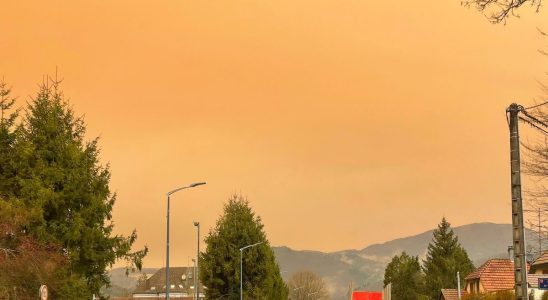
[366,296]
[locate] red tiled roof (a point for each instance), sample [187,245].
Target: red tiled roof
[543,259]
[451,294]
[495,275]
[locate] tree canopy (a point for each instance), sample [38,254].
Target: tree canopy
[220,263]
[48,168]
[445,257]
[405,274]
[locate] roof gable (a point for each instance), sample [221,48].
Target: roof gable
[542,260]
[181,279]
[495,275]
[451,294]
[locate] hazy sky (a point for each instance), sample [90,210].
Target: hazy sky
[344,122]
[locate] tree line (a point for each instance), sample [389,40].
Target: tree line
[445,256]
[56,224]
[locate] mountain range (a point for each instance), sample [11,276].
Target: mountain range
[364,268]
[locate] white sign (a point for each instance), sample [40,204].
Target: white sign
[43,292]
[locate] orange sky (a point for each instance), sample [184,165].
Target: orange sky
[345,122]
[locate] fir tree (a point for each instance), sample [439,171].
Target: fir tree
[444,259]
[405,274]
[60,181]
[7,138]
[220,264]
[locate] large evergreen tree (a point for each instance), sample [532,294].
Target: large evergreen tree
[7,138]
[444,259]
[405,274]
[220,263]
[57,176]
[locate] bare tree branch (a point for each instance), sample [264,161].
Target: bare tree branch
[498,11]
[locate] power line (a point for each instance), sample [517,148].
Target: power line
[533,125]
[535,106]
[536,120]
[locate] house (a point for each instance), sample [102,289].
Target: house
[181,281]
[451,294]
[540,265]
[494,275]
[532,281]
[497,275]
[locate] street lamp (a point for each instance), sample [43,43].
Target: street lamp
[167,239]
[242,269]
[197,225]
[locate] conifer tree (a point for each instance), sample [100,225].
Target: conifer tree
[444,259]
[405,274]
[220,263]
[7,138]
[56,175]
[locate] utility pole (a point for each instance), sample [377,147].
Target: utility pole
[518,234]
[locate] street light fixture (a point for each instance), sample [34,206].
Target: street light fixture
[242,269]
[167,239]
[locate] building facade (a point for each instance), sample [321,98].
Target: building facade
[182,281]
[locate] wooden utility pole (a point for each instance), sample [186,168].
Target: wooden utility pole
[518,233]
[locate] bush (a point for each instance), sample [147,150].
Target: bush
[502,295]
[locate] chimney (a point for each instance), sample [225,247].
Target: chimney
[511,253]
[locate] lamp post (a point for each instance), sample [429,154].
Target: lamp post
[242,269]
[197,225]
[167,239]
[194,275]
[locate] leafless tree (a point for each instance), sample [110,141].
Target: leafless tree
[535,165]
[306,285]
[499,10]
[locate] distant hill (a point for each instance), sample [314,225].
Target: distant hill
[481,240]
[365,267]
